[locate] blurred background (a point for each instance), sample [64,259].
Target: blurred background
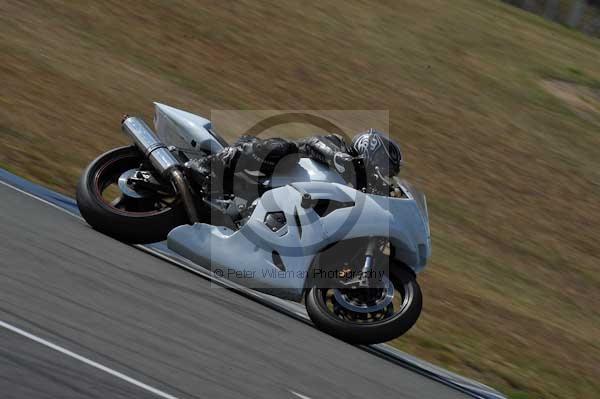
[497,109]
[583,15]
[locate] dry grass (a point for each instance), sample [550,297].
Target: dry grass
[511,169]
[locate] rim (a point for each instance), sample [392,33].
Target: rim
[142,203]
[368,306]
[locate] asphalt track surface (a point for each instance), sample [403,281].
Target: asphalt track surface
[156,324]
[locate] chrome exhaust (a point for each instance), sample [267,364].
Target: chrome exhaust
[157,152]
[161,158]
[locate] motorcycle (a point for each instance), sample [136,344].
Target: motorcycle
[350,251]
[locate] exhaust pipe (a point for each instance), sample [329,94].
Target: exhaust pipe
[161,159]
[158,154]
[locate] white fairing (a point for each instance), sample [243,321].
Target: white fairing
[188,132]
[292,171]
[246,255]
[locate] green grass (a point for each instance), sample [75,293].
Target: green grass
[519,395]
[510,162]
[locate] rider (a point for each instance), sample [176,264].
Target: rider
[258,157]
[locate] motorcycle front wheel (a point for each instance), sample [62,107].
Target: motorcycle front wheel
[132,217]
[368,315]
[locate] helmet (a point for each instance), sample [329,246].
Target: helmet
[379,152]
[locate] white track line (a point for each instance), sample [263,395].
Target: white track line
[41,199]
[86,361]
[300,395]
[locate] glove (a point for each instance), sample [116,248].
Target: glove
[343,162]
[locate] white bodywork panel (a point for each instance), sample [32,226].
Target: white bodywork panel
[188,132]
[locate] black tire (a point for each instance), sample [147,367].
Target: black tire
[127,226]
[369,333]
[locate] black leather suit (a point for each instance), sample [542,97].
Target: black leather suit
[256,158]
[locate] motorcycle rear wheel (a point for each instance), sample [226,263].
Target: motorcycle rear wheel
[361,329]
[125,218]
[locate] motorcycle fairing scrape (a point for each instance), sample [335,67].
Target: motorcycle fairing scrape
[279,262]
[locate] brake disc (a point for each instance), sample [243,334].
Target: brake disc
[126,188]
[344,299]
